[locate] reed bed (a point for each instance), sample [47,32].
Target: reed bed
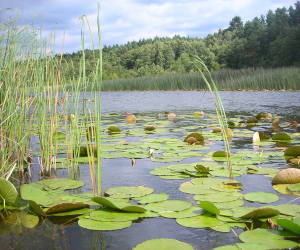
[244,79]
[35,104]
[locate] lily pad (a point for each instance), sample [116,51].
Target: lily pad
[190,212]
[291,225]
[30,192]
[29,220]
[110,215]
[266,237]
[200,221]
[261,197]
[209,207]
[36,209]
[153,198]
[8,192]
[163,244]
[118,204]
[103,225]
[65,207]
[59,184]
[261,213]
[294,187]
[128,192]
[219,197]
[168,205]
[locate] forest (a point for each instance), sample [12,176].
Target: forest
[268,41]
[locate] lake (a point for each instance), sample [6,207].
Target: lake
[150,108]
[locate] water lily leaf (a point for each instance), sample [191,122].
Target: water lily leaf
[60,184]
[260,213]
[119,205]
[153,198]
[196,189]
[8,192]
[190,212]
[110,215]
[200,221]
[294,187]
[290,225]
[266,237]
[103,225]
[168,205]
[65,207]
[29,220]
[288,209]
[243,246]
[71,213]
[281,188]
[36,209]
[261,197]
[163,244]
[209,207]
[229,204]
[128,192]
[218,197]
[30,192]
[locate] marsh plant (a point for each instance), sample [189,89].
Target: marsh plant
[35,102]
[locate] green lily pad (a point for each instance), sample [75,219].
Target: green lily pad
[163,244]
[168,205]
[65,207]
[103,225]
[153,198]
[29,220]
[266,237]
[110,215]
[30,192]
[229,204]
[118,204]
[209,207]
[200,221]
[59,184]
[218,197]
[36,209]
[243,246]
[71,213]
[294,187]
[290,225]
[128,192]
[261,213]
[261,197]
[288,209]
[196,189]
[8,192]
[190,212]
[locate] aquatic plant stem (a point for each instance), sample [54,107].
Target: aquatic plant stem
[200,65]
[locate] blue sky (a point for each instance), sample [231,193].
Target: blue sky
[127,20]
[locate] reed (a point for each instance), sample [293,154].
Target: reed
[244,79]
[221,115]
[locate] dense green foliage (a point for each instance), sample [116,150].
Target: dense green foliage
[266,41]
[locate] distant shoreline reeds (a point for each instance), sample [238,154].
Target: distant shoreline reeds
[287,78]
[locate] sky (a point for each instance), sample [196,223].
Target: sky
[128,20]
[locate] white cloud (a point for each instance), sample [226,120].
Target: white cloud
[126,20]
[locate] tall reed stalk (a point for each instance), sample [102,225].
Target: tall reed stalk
[212,87]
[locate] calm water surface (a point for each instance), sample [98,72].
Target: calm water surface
[118,172]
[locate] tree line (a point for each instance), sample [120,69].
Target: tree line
[271,40]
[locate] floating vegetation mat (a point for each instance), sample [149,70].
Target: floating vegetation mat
[196,170]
